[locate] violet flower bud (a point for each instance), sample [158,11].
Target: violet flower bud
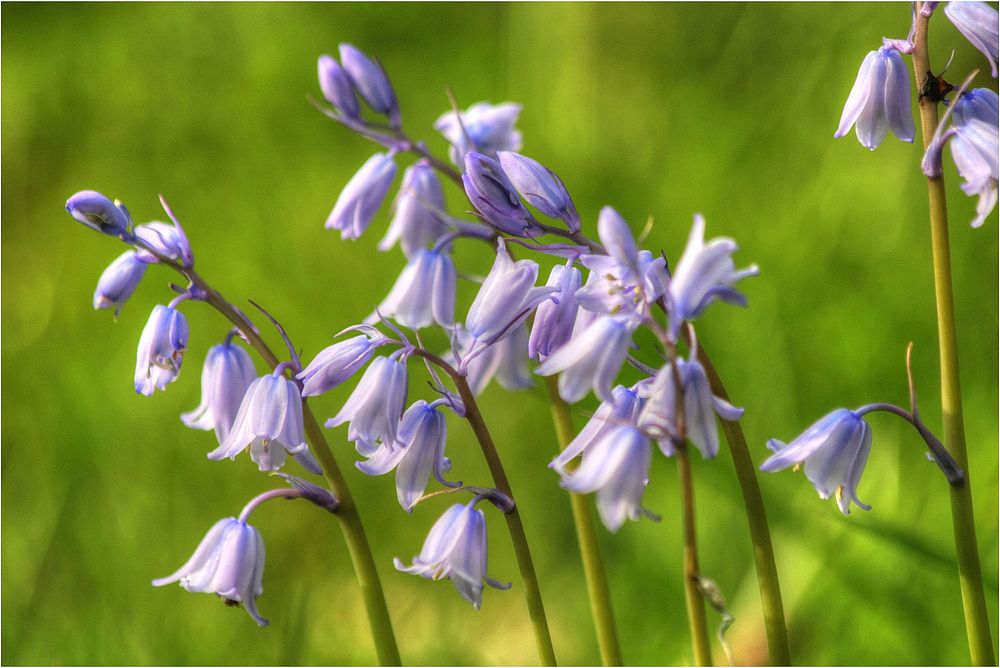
[483,127]
[494,197]
[704,274]
[974,147]
[169,240]
[418,207]
[229,562]
[118,282]
[371,81]
[161,350]
[269,422]
[424,293]
[623,409]
[376,405]
[99,213]
[320,496]
[416,455]
[978,21]
[835,450]
[879,100]
[456,548]
[554,319]
[592,359]
[227,374]
[616,466]
[506,297]
[335,364]
[362,196]
[337,87]
[540,187]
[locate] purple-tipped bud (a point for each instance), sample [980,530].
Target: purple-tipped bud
[485,128]
[362,196]
[835,450]
[269,422]
[169,240]
[227,374]
[506,297]
[879,100]
[974,147]
[418,209]
[119,281]
[376,405]
[320,496]
[978,21]
[616,466]
[424,293]
[371,81]
[494,196]
[554,319]
[540,187]
[456,548]
[161,350]
[337,88]
[623,409]
[591,360]
[335,364]
[229,562]
[98,212]
[416,455]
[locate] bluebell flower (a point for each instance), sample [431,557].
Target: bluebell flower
[591,359]
[229,562]
[880,100]
[417,453]
[337,87]
[540,187]
[269,422]
[488,129]
[974,147]
[978,22]
[616,466]
[161,350]
[623,409]
[494,196]
[417,211]
[704,273]
[834,451]
[554,319]
[227,374]
[506,297]
[371,81]
[659,416]
[362,196]
[169,240]
[335,364]
[98,212]
[424,293]
[376,405]
[119,281]
[506,360]
[456,548]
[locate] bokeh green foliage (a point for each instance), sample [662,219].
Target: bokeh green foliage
[660,110]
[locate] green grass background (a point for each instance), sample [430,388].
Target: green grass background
[660,110]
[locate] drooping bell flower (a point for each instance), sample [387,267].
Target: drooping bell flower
[376,405]
[227,374]
[424,293]
[880,100]
[335,364]
[623,409]
[974,147]
[483,127]
[554,319]
[978,22]
[362,196]
[119,281]
[161,350]
[592,359]
[416,221]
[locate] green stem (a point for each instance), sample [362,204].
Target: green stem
[347,512]
[692,596]
[760,535]
[586,534]
[970,573]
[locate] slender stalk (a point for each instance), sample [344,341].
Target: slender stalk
[760,535]
[347,512]
[692,596]
[586,534]
[969,569]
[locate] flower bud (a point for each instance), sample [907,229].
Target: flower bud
[119,281]
[337,88]
[370,79]
[98,212]
[362,196]
[494,196]
[540,187]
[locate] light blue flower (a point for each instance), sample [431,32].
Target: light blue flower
[623,409]
[834,451]
[456,548]
[362,196]
[161,350]
[335,364]
[229,562]
[592,359]
[376,405]
[371,81]
[167,239]
[227,374]
[119,281]
[880,100]
[483,127]
[979,23]
[418,210]
[554,319]
[495,197]
[974,147]
[98,212]
[540,187]
[424,293]
[337,87]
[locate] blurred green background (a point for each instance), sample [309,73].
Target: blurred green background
[660,110]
